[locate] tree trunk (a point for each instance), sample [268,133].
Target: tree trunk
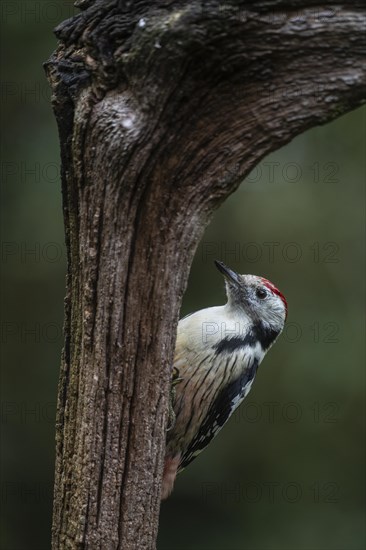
[162,107]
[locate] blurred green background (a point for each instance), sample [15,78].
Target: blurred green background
[287,472]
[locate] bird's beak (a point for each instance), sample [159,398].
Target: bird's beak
[228,273]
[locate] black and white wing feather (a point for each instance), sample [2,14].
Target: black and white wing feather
[228,399]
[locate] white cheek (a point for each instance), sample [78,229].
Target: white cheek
[273,312]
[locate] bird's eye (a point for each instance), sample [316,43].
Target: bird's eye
[261,293]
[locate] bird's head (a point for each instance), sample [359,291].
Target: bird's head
[257,297]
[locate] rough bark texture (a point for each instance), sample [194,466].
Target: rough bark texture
[163,107]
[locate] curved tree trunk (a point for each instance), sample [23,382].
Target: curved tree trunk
[163,107]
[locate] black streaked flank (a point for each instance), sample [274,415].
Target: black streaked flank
[257,333]
[218,413]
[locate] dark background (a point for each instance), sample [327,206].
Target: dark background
[287,472]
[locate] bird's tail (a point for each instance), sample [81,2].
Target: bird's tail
[169,475]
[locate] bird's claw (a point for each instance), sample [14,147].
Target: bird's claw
[176,379]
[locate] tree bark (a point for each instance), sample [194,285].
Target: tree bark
[163,107]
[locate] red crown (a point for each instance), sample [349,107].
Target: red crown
[275,290]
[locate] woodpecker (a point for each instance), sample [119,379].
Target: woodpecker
[218,351]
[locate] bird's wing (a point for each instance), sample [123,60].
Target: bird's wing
[226,401]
